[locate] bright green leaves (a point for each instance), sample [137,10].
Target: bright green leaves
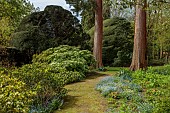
[11,13]
[6,29]
[15,9]
[14,96]
[67,57]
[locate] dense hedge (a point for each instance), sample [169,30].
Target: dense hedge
[140,91]
[14,95]
[117,41]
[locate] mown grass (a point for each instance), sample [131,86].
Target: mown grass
[82,96]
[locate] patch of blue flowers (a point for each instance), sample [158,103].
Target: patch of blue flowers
[125,95]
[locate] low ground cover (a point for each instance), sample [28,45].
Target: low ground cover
[140,91]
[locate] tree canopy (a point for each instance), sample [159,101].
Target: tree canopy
[11,14]
[49,28]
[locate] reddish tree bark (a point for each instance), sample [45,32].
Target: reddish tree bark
[98,34]
[139,59]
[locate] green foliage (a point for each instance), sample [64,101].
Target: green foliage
[117,41]
[162,70]
[38,87]
[47,84]
[45,78]
[140,91]
[86,9]
[156,83]
[66,57]
[121,92]
[5,31]
[49,28]
[158,32]
[11,14]
[10,56]
[14,95]
[15,9]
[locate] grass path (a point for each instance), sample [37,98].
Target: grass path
[83,98]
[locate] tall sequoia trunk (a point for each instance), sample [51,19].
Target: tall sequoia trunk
[98,34]
[139,59]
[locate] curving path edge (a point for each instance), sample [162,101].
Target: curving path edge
[83,98]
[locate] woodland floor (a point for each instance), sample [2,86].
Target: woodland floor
[83,98]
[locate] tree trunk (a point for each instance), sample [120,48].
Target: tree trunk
[139,59]
[98,34]
[161,50]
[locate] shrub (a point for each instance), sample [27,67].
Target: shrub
[48,85]
[117,41]
[155,62]
[14,96]
[163,70]
[68,57]
[10,56]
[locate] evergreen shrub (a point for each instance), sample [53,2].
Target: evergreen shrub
[14,95]
[48,85]
[117,41]
[67,57]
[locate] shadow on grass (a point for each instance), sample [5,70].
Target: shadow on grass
[77,98]
[94,75]
[114,68]
[69,102]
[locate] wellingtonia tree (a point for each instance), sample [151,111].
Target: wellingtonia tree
[86,9]
[139,52]
[98,34]
[79,5]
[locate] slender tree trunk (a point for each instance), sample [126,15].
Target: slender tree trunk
[168,58]
[161,50]
[98,34]
[139,59]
